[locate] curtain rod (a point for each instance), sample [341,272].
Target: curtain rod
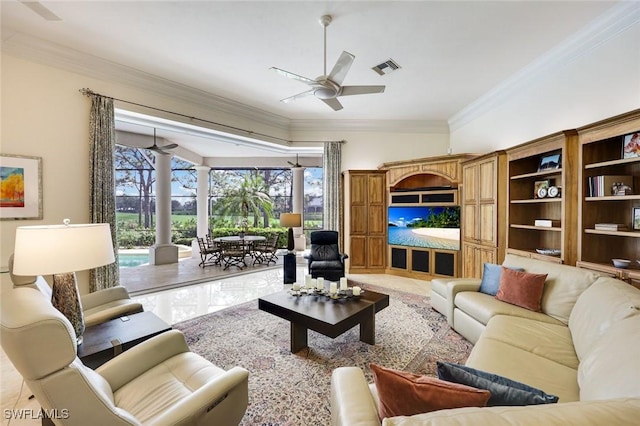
[89,92]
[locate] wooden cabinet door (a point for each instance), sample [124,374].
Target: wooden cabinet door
[487,224]
[487,181]
[469,261]
[358,184]
[376,248]
[357,256]
[470,184]
[376,189]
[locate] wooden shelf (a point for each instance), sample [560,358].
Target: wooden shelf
[613,198]
[537,228]
[538,174]
[632,234]
[537,200]
[612,163]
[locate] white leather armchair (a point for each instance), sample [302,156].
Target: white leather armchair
[158,382]
[97,307]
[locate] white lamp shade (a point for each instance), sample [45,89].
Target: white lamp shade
[59,249]
[290,220]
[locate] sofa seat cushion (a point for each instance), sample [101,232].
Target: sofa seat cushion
[621,412]
[552,341]
[483,307]
[523,366]
[611,369]
[602,305]
[165,385]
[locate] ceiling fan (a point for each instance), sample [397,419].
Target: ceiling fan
[160,149]
[296,164]
[329,87]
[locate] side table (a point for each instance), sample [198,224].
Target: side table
[107,340]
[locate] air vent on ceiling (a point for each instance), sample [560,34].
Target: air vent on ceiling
[386,67]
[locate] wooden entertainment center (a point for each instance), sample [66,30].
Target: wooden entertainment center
[427,182]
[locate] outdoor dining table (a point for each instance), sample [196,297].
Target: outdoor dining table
[247,240]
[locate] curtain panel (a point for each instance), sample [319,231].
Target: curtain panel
[331,163]
[102,205]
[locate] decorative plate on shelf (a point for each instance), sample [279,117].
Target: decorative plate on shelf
[549,252]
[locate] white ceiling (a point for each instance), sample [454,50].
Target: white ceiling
[451,52]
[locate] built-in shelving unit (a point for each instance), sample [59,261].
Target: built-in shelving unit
[600,154]
[526,174]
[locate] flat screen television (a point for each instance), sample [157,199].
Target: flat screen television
[428,227]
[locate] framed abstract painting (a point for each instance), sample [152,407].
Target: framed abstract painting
[20,187]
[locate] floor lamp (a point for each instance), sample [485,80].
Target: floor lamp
[61,250]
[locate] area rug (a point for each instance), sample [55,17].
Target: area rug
[294,389]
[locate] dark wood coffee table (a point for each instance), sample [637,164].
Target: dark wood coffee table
[326,316]
[104,341]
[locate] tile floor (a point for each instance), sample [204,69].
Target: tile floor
[187,302]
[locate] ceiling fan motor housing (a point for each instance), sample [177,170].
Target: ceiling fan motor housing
[329,89]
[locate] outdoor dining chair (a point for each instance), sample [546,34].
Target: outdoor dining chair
[209,254]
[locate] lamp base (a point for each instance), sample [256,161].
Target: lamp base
[290,241]
[66,298]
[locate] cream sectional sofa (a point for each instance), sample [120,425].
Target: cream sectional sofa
[583,348]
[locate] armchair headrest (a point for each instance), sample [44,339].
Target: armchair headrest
[324,237]
[36,337]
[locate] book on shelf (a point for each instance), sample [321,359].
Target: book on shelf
[547,223]
[601,186]
[610,227]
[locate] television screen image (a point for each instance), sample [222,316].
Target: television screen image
[428,227]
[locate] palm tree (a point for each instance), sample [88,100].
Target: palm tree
[248,198]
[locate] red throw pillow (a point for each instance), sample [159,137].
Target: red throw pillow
[521,288]
[404,394]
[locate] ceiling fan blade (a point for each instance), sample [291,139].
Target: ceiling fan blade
[360,90]
[41,10]
[333,103]
[169,146]
[341,68]
[298,96]
[294,76]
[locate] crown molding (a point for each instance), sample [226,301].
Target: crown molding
[52,54]
[616,20]
[392,126]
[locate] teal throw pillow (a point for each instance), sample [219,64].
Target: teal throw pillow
[504,391]
[491,278]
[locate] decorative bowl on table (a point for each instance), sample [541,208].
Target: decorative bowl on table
[621,263]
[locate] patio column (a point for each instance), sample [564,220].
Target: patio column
[202,203]
[163,252]
[297,202]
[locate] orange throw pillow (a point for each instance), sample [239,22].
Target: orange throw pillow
[521,288]
[404,394]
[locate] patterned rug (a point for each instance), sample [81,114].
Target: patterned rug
[293,389]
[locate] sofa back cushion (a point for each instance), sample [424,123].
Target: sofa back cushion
[563,285]
[611,368]
[599,307]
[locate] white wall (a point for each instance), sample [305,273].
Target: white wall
[603,82]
